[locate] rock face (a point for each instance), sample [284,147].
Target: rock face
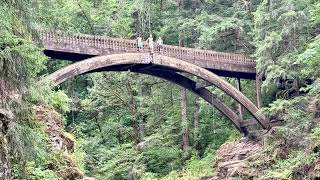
[247,158]
[233,157]
[59,141]
[314,171]
[4,154]
[10,100]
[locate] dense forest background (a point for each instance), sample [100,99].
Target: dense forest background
[133,126]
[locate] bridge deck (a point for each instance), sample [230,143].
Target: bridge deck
[77,47]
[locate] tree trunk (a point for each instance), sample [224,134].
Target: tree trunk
[135,125]
[194,37]
[119,136]
[161,5]
[181,39]
[196,122]
[99,127]
[171,95]
[184,120]
[134,115]
[137,23]
[180,3]
[142,119]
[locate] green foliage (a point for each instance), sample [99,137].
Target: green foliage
[316,133]
[79,155]
[55,99]
[19,58]
[112,163]
[21,61]
[290,148]
[297,124]
[282,29]
[59,100]
[161,159]
[316,13]
[283,169]
[195,168]
[38,173]
[104,116]
[310,60]
[26,142]
[30,154]
[108,119]
[129,126]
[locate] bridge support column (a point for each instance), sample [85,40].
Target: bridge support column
[258,91]
[240,108]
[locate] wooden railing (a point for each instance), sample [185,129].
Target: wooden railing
[125,45]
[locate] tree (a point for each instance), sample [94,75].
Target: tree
[282,29]
[184,121]
[196,122]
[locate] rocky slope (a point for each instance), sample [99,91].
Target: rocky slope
[59,141]
[10,100]
[254,159]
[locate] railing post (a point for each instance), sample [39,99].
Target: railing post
[113,45]
[121,45]
[78,39]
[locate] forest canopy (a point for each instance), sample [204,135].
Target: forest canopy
[125,125]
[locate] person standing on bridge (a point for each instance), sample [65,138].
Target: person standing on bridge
[139,43]
[159,44]
[150,42]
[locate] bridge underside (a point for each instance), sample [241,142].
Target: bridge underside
[75,57]
[166,68]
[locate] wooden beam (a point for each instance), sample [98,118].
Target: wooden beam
[253,122]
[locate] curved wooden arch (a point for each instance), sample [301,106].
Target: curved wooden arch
[94,63]
[204,93]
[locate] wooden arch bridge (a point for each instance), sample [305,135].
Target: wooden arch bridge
[99,53]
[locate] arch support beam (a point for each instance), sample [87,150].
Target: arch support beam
[172,63]
[202,92]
